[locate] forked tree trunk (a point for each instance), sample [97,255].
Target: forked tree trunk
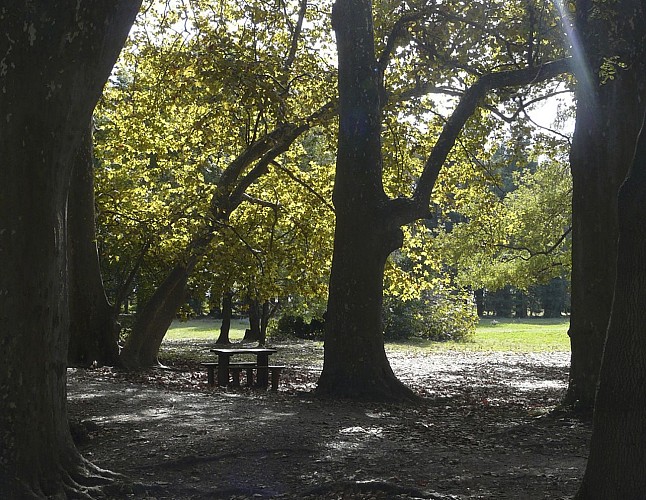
[93,321]
[617,462]
[57,56]
[608,119]
[355,363]
[227,311]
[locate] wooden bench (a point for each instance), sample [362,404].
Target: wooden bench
[236,368]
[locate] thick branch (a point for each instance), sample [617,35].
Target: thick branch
[418,205]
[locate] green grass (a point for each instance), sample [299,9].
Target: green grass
[511,335]
[205,329]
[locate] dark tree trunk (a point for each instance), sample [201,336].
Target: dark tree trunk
[227,311]
[520,307]
[93,321]
[480,301]
[368,222]
[252,334]
[607,123]
[265,315]
[152,322]
[355,363]
[56,57]
[617,462]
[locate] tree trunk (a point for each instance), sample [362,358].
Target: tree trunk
[265,315]
[252,334]
[227,311]
[355,363]
[56,57]
[152,322]
[94,333]
[607,123]
[617,458]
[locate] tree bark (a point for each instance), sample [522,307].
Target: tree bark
[617,458]
[265,315]
[227,311]
[355,362]
[56,57]
[152,322]
[252,334]
[607,123]
[94,332]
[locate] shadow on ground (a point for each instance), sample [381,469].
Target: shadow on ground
[485,429]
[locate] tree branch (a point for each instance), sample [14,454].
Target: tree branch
[417,206]
[300,181]
[533,253]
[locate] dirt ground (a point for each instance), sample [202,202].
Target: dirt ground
[485,429]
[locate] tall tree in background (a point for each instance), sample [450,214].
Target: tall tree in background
[607,40]
[617,458]
[57,56]
[368,221]
[93,320]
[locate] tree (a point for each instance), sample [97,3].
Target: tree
[57,56]
[227,311]
[615,467]
[368,221]
[611,95]
[93,320]
[240,138]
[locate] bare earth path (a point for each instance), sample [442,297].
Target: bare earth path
[482,431]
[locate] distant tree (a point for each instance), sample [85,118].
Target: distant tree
[57,55]
[93,320]
[227,310]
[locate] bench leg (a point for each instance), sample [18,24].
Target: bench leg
[275,377]
[249,377]
[235,373]
[210,370]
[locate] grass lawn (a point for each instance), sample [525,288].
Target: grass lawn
[205,329]
[526,335]
[511,335]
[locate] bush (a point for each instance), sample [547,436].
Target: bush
[438,317]
[289,326]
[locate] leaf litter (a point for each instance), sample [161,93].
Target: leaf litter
[487,427]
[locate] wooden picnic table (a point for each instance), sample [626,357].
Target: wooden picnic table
[262,363]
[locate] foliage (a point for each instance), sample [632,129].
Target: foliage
[197,89]
[288,326]
[516,237]
[438,317]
